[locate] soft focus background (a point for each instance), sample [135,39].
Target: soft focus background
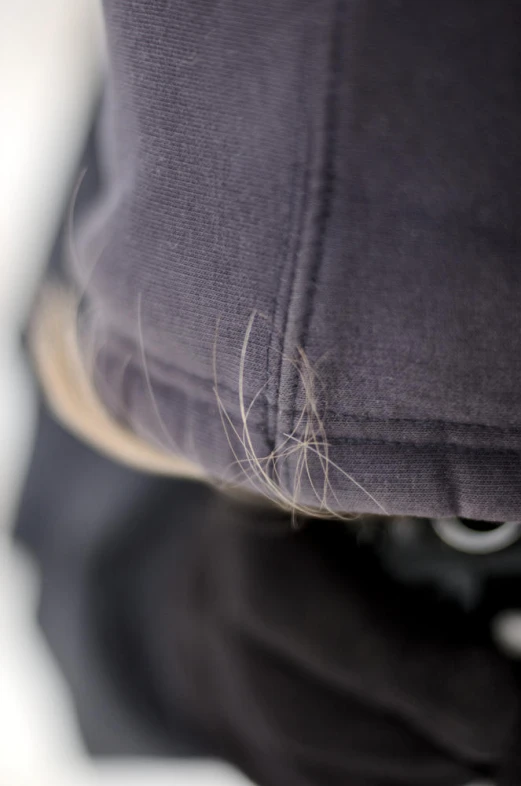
[51,64]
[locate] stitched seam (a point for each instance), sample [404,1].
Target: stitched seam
[284,470]
[340,441]
[329,174]
[421,445]
[326,178]
[293,246]
[514,428]
[286,254]
[207,385]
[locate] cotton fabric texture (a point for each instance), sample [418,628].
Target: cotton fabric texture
[326,190]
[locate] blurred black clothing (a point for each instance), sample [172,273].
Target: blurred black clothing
[188,624]
[76,505]
[309,665]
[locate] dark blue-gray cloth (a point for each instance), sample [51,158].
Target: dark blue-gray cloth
[316,194]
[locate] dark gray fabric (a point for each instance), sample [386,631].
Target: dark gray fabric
[345,174]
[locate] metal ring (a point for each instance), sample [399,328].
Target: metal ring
[456,534]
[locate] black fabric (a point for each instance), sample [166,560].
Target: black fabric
[307,665]
[187,623]
[333,177]
[75,506]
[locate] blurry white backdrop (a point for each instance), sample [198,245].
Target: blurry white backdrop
[51,54]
